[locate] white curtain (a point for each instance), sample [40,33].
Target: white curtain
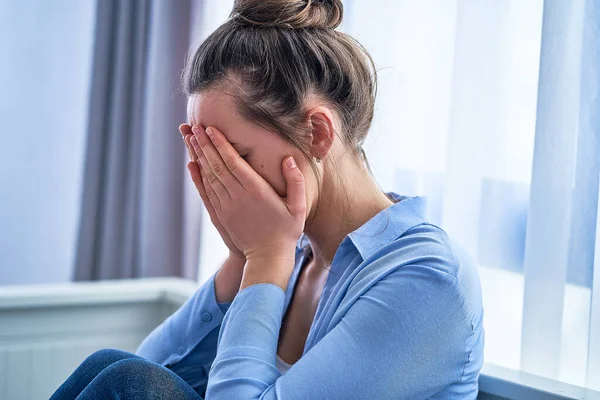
[489,108]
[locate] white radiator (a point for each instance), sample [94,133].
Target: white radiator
[46,331]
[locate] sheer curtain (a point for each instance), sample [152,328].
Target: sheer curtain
[468,91]
[490,108]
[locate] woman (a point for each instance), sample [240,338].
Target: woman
[333,289]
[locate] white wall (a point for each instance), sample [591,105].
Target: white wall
[45,60]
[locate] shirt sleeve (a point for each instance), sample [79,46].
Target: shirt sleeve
[186,341]
[404,337]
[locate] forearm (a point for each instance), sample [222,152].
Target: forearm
[228,279]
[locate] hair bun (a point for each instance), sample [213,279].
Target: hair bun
[294,14]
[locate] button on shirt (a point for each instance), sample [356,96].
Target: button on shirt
[206,316]
[400,317]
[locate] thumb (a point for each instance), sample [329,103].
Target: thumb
[296,198]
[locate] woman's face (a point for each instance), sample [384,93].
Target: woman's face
[263,150]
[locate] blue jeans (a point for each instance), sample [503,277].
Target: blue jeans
[116,374]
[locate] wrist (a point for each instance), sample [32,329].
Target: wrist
[228,279]
[272,253]
[268,270]
[237,257]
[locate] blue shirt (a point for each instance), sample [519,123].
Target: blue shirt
[400,317]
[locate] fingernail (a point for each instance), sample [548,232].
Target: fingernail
[196,129]
[210,132]
[291,163]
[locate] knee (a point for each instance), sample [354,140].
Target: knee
[103,353]
[108,356]
[138,375]
[134,369]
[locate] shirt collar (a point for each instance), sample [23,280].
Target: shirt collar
[389,224]
[385,226]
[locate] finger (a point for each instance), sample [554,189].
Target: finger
[295,198]
[191,150]
[214,160]
[210,180]
[194,170]
[236,165]
[212,197]
[185,130]
[193,154]
[208,195]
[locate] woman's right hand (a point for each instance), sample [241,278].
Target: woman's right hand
[195,173]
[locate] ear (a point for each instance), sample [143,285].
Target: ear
[322,131]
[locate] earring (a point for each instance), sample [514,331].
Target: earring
[318,159]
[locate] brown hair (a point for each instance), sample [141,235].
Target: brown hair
[279,52]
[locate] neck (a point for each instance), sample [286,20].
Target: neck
[349,204]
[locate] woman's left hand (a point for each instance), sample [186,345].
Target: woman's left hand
[261,224]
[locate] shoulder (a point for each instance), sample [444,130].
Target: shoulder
[425,247]
[424,288]
[423,267]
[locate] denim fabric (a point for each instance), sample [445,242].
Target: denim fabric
[114,374]
[400,317]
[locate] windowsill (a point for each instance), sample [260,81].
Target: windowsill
[504,382]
